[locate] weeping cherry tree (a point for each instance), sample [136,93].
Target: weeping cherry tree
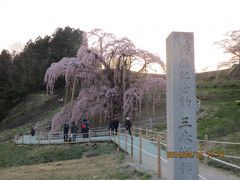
[107,70]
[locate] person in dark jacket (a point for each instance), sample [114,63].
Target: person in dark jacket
[85,128]
[111,125]
[33,130]
[65,130]
[128,125]
[74,130]
[115,124]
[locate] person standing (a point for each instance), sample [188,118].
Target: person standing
[33,130]
[65,130]
[111,125]
[85,128]
[128,125]
[116,124]
[74,130]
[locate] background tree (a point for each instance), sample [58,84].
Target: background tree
[5,81]
[23,73]
[103,71]
[231,44]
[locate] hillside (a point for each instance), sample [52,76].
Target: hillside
[36,108]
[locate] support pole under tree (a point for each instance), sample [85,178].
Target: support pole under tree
[66,94]
[126,140]
[124,85]
[205,148]
[146,131]
[39,137]
[140,107]
[73,89]
[114,136]
[159,155]
[110,134]
[118,134]
[140,146]
[150,123]
[132,134]
[153,105]
[49,138]
[181,106]
[89,134]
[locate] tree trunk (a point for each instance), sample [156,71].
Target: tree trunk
[153,105]
[140,107]
[100,119]
[66,94]
[73,89]
[124,86]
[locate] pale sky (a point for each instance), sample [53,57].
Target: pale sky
[146,22]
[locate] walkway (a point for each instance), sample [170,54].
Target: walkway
[149,152]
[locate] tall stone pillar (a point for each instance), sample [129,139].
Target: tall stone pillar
[181,107]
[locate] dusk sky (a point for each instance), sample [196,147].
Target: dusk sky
[146,22]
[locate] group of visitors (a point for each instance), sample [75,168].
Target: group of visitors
[114,123]
[70,132]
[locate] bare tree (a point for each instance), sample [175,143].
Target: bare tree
[231,44]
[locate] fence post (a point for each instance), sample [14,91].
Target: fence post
[22,139]
[198,145]
[132,133]
[146,131]
[16,138]
[110,134]
[140,146]
[118,138]
[114,134]
[159,156]
[89,134]
[205,147]
[39,137]
[30,139]
[49,138]
[150,123]
[126,140]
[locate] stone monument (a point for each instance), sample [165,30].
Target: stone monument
[181,107]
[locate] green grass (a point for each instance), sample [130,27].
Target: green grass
[71,161]
[15,155]
[221,121]
[129,172]
[106,167]
[34,108]
[224,112]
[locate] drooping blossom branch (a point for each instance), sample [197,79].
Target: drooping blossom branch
[108,84]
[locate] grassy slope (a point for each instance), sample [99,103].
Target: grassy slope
[14,155]
[223,112]
[221,120]
[35,108]
[106,162]
[104,167]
